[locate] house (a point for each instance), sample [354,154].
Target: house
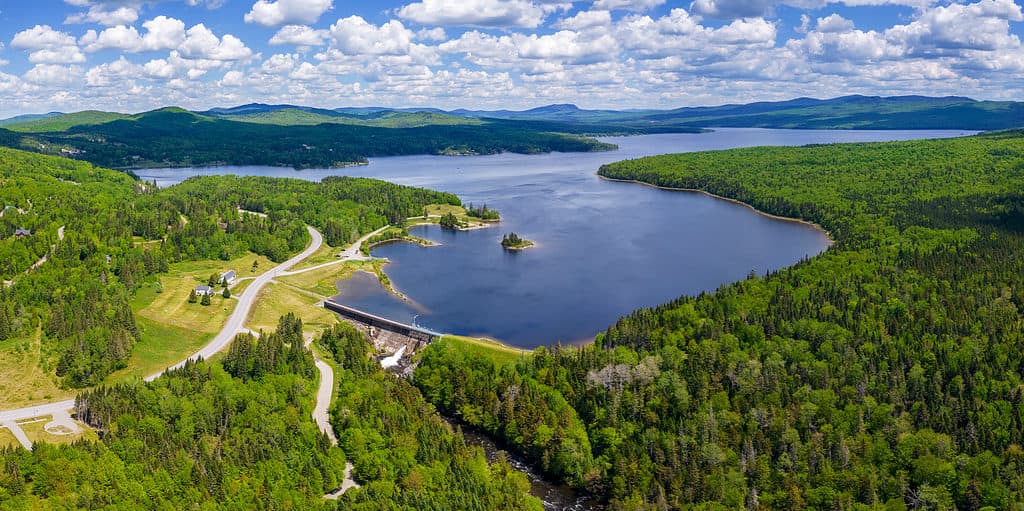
[204,291]
[21,233]
[228,277]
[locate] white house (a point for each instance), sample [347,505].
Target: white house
[204,291]
[228,277]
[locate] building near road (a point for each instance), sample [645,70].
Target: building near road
[204,291]
[228,277]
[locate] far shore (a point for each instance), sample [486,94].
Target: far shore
[828,235]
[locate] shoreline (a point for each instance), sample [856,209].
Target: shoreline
[828,235]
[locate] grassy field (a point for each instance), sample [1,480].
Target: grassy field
[7,438]
[326,254]
[35,430]
[497,351]
[171,328]
[276,300]
[323,281]
[24,378]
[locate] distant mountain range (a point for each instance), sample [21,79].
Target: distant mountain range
[847,112]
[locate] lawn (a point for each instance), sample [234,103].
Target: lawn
[500,353]
[24,378]
[7,438]
[326,254]
[276,300]
[323,281]
[162,346]
[35,430]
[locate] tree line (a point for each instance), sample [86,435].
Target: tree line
[882,374]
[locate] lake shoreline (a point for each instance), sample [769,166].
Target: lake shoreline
[809,223]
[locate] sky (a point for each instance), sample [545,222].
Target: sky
[137,55]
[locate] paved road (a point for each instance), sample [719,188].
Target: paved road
[234,325]
[351,253]
[18,433]
[236,322]
[323,400]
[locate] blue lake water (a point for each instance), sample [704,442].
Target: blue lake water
[603,249]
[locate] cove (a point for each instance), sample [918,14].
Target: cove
[603,249]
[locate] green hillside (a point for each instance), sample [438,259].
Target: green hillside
[299,117]
[885,373]
[65,122]
[172,137]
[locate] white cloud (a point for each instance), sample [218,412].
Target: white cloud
[112,73]
[631,5]
[431,34]
[41,37]
[834,23]
[280,12]
[354,36]
[48,46]
[232,78]
[51,75]
[200,42]
[299,35]
[585,19]
[162,33]
[105,15]
[474,13]
[980,26]
[158,69]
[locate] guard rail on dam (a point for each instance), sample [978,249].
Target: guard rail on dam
[372,320]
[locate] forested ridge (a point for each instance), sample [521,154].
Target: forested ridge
[885,373]
[237,435]
[172,137]
[120,232]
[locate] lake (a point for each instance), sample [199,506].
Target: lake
[603,248]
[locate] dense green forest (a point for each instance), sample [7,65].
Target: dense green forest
[885,373]
[118,232]
[173,137]
[237,435]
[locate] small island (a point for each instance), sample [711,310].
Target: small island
[512,241]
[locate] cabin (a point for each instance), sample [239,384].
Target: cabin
[204,291]
[21,233]
[228,277]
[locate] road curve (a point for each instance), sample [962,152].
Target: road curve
[235,324]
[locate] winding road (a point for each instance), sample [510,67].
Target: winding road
[234,325]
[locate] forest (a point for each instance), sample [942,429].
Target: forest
[237,435]
[882,374]
[118,232]
[172,137]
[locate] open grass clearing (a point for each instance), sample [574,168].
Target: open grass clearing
[277,299]
[496,351]
[162,346]
[323,281]
[35,430]
[7,438]
[24,377]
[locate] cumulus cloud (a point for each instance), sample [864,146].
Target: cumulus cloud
[631,5]
[200,42]
[48,46]
[585,19]
[280,12]
[475,13]
[354,36]
[105,15]
[299,35]
[162,33]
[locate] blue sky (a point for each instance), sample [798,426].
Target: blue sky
[135,55]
